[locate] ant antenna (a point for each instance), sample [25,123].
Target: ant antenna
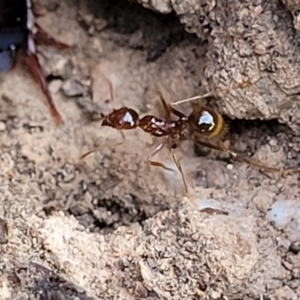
[210,94]
[84,155]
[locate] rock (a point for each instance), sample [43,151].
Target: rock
[74,88]
[246,42]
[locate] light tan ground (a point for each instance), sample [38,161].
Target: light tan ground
[109,225]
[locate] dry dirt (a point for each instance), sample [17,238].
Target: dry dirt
[109,227]
[254,40]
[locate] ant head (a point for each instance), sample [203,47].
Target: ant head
[207,122]
[122,118]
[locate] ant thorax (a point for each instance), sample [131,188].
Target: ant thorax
[155,126]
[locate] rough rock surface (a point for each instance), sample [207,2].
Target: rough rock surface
[293,6]
[253,40]
[109,227]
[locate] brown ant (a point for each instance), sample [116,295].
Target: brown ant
[205,122]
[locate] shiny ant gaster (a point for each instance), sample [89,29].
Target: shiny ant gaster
[205,122]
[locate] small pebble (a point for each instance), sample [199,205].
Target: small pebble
[54,86]
[73,88]
[229,167]
[2,126]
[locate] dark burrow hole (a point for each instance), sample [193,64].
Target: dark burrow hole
[104,217]
[258,130]
[140,28]
[252,133]
[246,138]
[120,216]
[46,284]
[99,214]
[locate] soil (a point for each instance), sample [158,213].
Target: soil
[108,226]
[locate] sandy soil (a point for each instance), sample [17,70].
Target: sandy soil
[109,227]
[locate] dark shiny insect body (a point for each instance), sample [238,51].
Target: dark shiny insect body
[208,125]
[18,31]
[126,118]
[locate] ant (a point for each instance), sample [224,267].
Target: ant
[209,125]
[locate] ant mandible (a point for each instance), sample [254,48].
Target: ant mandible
[205,122]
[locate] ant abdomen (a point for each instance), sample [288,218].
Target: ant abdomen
[122,119]
[207,122]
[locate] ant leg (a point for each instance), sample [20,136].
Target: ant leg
[179,167]
[123,137]
[150,144]
[169,109]
[176,112]
[95,74]
[84,155]
[154,152]
[110,86]
[177,162]
[259,165]
[165,105]
[36,69]
[224,147]
[242,84]
[158,164]
[47,38]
